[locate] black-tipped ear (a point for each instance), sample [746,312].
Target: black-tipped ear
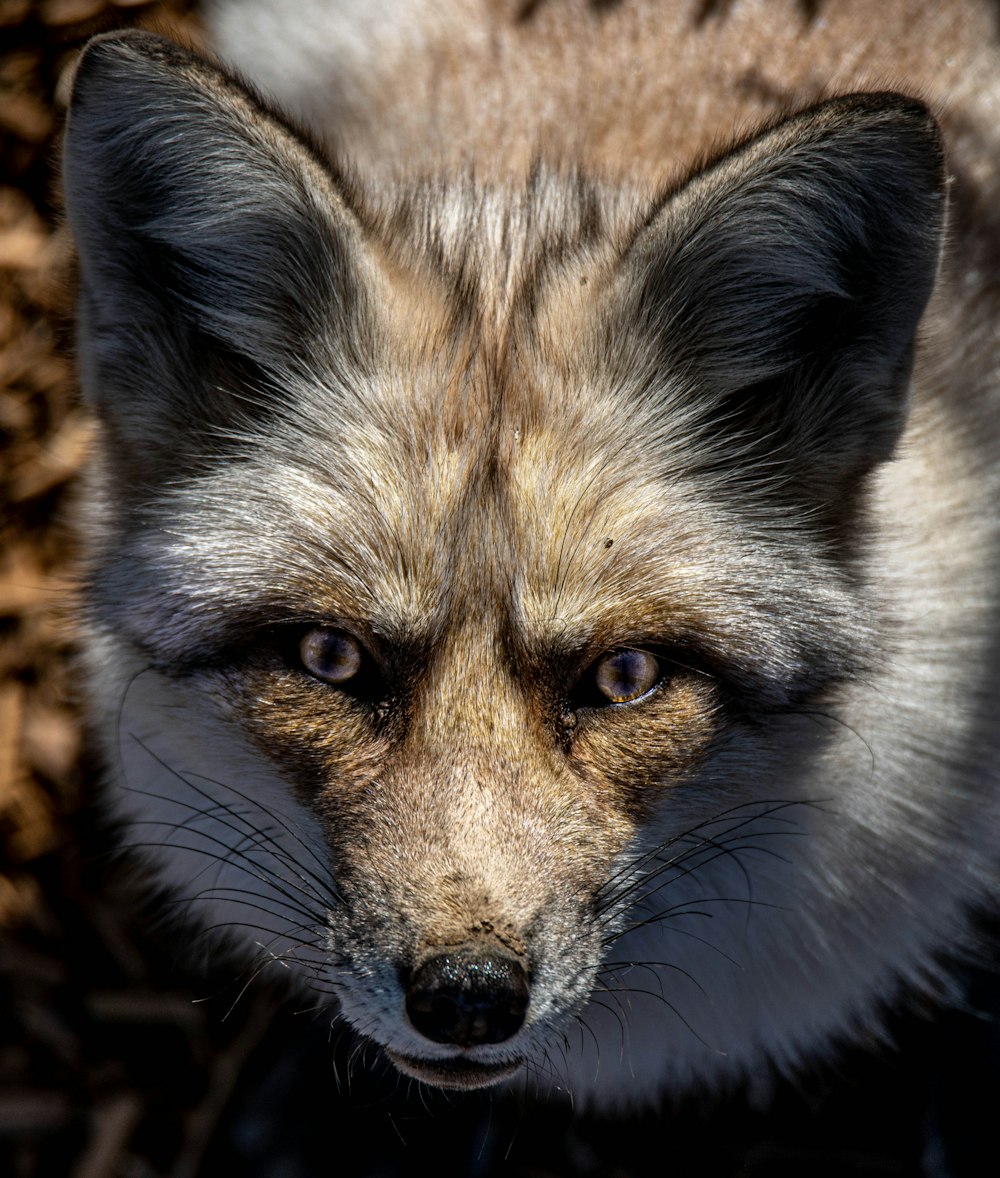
[214,249]
[784,284]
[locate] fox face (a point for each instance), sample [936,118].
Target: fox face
[482,618]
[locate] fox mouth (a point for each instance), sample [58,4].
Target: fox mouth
[458,1072]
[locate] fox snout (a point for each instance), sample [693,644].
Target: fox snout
[462,1014]
[468,996]
[466,934]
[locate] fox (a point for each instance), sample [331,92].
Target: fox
[541,593]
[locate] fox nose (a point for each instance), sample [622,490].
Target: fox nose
[467,998]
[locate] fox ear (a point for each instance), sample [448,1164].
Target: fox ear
[214,249]
[783,286]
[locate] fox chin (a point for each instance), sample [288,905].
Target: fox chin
[542,584]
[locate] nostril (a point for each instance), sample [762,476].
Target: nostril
[467,999]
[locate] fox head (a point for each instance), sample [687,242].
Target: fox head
[480,571]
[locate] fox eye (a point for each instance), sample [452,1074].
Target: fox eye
[624,675]
[333,656]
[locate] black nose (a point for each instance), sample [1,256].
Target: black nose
[467,997]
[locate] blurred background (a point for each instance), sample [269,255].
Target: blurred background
[114,1061]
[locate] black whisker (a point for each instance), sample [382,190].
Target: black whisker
[323,882]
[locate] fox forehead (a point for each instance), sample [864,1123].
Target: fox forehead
[400,529]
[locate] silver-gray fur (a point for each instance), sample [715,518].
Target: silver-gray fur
[491,421]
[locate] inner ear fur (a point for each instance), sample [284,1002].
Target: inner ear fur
[782,287]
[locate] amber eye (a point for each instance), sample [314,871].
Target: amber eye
[624,675]
[331,655]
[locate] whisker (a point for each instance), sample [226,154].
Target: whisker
[229,858]
[771,811]
[609,968]
[721,851]
[323,882]
[220,892]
